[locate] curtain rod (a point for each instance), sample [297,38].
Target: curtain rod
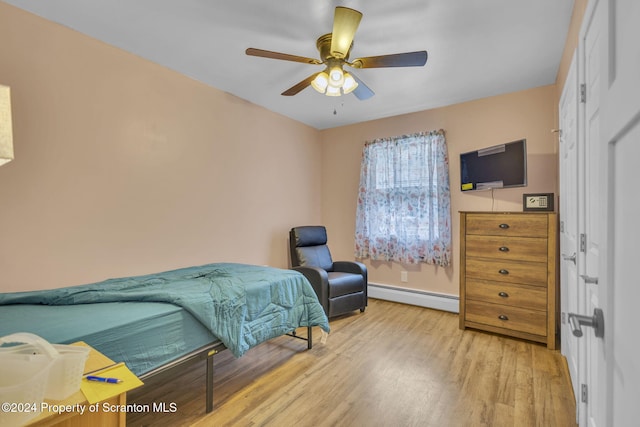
[435,132]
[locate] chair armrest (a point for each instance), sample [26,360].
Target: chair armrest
[319,280]
[351,267]
[354,267]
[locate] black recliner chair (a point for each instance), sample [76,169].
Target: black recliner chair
[341,286]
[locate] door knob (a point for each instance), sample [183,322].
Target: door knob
[596,322]
[569,257]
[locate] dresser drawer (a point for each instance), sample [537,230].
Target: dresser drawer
[528,273]
[534,298]
[508,248]
[523,225]
[508,317]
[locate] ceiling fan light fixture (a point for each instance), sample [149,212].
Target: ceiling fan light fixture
[336,83]
[333,91]
[320,82]
[336,76]
[349,84]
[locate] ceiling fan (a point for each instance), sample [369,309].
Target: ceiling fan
[334,51]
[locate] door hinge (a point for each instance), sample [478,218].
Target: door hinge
[584,393]
[583,93]
[583,242]
[562,226]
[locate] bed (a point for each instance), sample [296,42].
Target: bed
[161,322]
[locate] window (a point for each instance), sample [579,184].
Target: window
[404,203]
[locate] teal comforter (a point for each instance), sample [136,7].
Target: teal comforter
[243,305]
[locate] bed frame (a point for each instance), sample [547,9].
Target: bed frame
[205,353]
[113,290]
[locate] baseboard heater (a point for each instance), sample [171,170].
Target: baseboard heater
[417,297]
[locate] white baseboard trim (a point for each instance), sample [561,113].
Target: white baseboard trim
[414,297]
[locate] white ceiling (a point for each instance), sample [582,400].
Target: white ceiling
[477,48]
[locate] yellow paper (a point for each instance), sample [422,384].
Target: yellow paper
[96,391]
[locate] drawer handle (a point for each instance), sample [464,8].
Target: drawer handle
[503,294]
[503,317]
[504,226]
[503,271]
[503,249]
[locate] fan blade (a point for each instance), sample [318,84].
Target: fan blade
[345,24]
[298,87]
[284,56]
[363,91]
[409,59]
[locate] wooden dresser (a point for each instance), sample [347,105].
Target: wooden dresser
[508,274]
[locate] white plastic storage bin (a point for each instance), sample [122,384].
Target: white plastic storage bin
[24,375]
[67,370]
[36,370]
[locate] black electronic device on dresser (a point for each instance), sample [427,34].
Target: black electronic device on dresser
[499,166]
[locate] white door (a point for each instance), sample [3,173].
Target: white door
[608,189]
[618,290]
[568,206]
[593,52]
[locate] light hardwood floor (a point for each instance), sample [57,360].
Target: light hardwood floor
[394,365]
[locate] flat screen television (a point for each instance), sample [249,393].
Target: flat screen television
[499,166]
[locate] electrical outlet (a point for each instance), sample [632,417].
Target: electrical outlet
[403,276]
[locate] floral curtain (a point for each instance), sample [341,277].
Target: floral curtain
[404,201]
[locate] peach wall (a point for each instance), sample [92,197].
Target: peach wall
[471,125]
[124,167]
[571,43]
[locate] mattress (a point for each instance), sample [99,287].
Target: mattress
[144,335]
[242,305]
